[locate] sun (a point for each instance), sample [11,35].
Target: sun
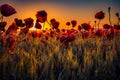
[45,26]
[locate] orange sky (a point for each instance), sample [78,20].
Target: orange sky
[62,12]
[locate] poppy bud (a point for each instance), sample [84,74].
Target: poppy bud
[74,23]
[117,14]
[109,9]
[95,21]
[68,23]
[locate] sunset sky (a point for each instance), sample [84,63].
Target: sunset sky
[64,10]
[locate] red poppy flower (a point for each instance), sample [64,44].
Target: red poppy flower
[52,33]
[85,35]
[46,37]
[79,27]
[63,38]
[86,26]
[55,25]
[100,15]
[68,23]
[68,32]
[13,26]
[41,16]
[25,30]
[99,33]
[7,10]
[117,27]
[117,14]
[63,30]
[58,30]
[38,26]
[34,34]
[19,22]
[106,26]
[67,38]
[74,23]
[71,37]
[2,26]
[29,22]
[43,31]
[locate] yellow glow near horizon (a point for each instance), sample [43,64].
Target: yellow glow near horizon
[46,26]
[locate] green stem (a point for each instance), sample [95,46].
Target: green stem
[43,26]
[49,24]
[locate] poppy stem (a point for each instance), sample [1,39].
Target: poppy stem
[43,26]
[89,22]
[95,25]
[49,24]
[118,21]
[109,17]
[1,18]
[99,24]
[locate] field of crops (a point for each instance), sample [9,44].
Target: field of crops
[87,53]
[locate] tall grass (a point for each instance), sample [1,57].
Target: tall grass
[94,58]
